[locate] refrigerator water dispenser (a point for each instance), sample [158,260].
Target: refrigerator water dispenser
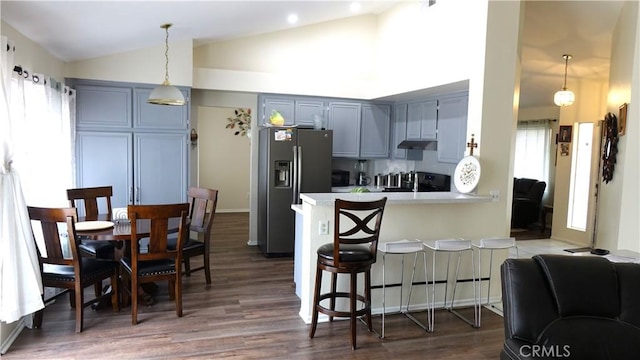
[282,173]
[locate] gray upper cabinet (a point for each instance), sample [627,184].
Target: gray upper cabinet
[375,131]
[422,119]
[155,117]
[452,128]
[285,106]
[306,110]
[399,131]
[344,120]
[103,106]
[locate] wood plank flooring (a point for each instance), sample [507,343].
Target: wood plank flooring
[249,312]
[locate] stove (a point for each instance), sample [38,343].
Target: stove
[427,182]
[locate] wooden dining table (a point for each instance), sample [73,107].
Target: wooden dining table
[121,233]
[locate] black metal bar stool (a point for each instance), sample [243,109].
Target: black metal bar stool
[353,251]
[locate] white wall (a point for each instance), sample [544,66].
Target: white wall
[618,214]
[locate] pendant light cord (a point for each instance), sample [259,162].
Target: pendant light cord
[166,54]
[566,64]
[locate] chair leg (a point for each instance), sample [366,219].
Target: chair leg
[207,270]
[115,293]
[177,284]
[367,295]
[352,300]
[134,299]
[316,296]
[334,281]
[187,266]
[79,300]
[97,289]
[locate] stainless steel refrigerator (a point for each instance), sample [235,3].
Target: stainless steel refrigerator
[291,161]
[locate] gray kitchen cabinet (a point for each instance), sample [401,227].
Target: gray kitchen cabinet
[422,119]
[306,110]
[285,106]
[154,171]
[158,159]
[344,119]
[375,131]
[140,150]
[106,159]
[399,131]
[452,127]
[105,107]
[155,117]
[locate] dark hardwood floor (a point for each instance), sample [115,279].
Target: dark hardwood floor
[249,312]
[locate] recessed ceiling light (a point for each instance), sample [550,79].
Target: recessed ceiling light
[355,7]
[292,18]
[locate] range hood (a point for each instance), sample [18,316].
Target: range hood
[419,144]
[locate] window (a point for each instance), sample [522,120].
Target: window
[532,150]
[580,174]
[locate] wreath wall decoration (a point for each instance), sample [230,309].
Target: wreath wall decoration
[610,147]
[241,123]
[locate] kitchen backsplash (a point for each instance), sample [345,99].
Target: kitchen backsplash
[429,163]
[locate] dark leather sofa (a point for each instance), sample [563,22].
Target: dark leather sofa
[527,201]
[573,307]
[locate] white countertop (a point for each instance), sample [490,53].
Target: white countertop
[346,189]
[395,198]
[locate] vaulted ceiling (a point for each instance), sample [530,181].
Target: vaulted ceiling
[73,30]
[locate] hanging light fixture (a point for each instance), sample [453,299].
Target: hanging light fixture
[166,94]
[564,97]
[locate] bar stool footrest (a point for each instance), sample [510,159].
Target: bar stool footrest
[338,313]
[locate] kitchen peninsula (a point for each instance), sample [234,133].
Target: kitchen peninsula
[408,215]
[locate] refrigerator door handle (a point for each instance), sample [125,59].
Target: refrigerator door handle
[294,172]
[299,175]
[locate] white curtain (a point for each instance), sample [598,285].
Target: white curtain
[532,150]
[20,281]
[37,138]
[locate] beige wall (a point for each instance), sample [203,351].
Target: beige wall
[33,57]
[223,159]
[143,66]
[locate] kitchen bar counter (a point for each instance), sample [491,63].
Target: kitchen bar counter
[408,215]
[395,198]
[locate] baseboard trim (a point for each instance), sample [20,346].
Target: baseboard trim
[6,343]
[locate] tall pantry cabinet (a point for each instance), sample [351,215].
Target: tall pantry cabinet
[140,149]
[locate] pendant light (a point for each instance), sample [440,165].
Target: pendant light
[564,97]
[166,94]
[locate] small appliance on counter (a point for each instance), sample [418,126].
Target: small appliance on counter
[426,182]
[361,175]
[339,178]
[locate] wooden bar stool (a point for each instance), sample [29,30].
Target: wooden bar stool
[491,244]
[353,251]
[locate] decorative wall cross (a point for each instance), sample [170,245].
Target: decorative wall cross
[472,145]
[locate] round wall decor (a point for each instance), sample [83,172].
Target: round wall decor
[467,174]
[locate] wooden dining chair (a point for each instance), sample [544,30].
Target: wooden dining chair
[202,209]
[90,199]
[158,263]
[73,272]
